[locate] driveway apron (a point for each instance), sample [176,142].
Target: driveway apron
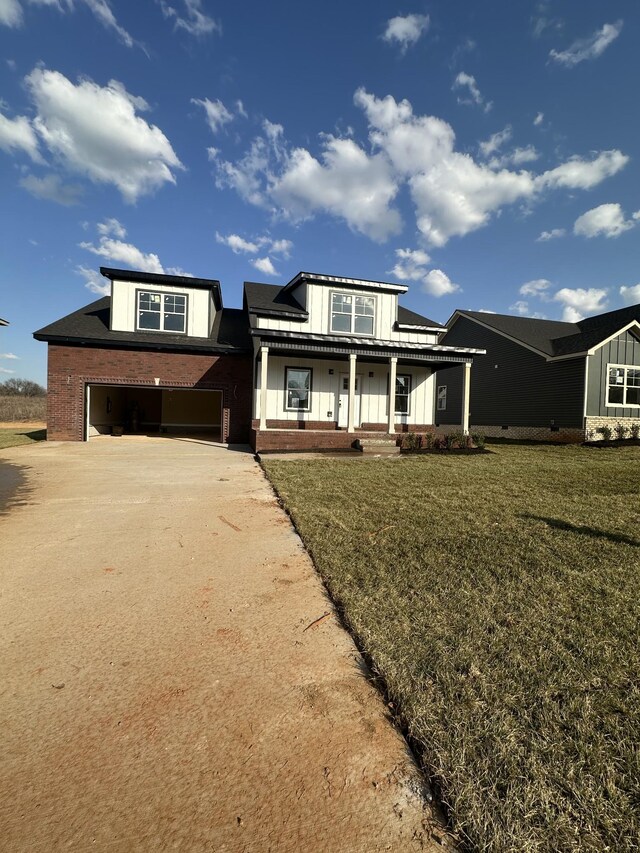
[170,677]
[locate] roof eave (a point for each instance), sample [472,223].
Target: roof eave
[161,278]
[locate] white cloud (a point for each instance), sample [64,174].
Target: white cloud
[94,130]
[538,119]
[52,188]
[217,114]
[537,288]
[520,307]
[467,82]
[8,355]
[495,141]
[438,283]
[17,134]
[631,294]
[515,158]
[411,264]
[588,48]
[281,247]
[578,173]
[125,253]
[453,194]
[265,266]
[10,13]
[112,228]
[606,220]
[554,234]
[6,370]
[405,30]
[580,302]
[103,12]
[237,244]
[94,281]
[179,271]
[195,21]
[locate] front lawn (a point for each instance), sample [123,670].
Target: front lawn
[20,435]
[497,596]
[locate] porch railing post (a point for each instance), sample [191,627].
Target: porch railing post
[351,419]
[393,364]
[466,395]
[264,367]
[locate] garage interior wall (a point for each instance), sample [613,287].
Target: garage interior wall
[155,408]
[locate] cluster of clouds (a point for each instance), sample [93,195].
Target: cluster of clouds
[192,19]
[588,48]
[452,192]
[605,220]
[9,356]
[89,130]
[254,247]
[577,303]
[112,248]
[412,265]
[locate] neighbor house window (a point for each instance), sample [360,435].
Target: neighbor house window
[442,397]
[162,312]
[298,388]
[623,387]
[403,392]
[353,314]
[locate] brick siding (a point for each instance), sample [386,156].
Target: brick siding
[71,368]
[593,424]
[563,434]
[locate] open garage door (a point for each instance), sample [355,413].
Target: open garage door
[128,409]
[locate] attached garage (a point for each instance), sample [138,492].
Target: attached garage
[131,409]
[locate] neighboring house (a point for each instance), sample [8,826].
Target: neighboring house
[159,353]
[339,359]
[314,364]
[545,379]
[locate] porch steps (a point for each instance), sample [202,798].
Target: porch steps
[383,446]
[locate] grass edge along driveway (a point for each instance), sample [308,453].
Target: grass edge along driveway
[497,597]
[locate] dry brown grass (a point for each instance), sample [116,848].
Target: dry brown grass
[16,408]
[497,597]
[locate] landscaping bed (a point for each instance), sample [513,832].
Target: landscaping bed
[498,604]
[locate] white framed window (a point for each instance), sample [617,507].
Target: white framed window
[403,393]
[297,388]
[442,398]
[623,385]
[161,312]
[353,314]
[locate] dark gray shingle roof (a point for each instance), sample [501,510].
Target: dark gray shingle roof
[269,299]
[410,318]
[91,325]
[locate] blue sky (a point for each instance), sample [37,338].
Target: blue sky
[485,152]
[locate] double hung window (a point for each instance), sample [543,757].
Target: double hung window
[403,394]
[162,312]
[623,385]
[298,388]
[442,398]
[353,314]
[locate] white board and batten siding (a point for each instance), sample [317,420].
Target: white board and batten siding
[200,307]
[318,306]
[325,391]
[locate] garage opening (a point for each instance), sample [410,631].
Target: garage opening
[130,410]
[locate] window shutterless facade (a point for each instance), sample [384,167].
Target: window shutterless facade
[161,312]
[442,397]
[297,389]
[403,394]
[353,314]
[623,385]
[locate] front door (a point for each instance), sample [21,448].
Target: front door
[343,401]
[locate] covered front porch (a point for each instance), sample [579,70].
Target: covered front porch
[330,397]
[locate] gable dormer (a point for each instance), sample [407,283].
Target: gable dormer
[171,304]
[317,304]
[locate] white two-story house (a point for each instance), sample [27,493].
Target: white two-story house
[341,355]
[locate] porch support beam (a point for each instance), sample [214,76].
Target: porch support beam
[264,368]
[391,425]
[466,389]
[351,418]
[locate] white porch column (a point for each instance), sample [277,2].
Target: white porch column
[466,389]
[351,419]
[264,367]
[393,364]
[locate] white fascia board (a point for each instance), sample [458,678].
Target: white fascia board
[407,327]
[353,282]
[633,325]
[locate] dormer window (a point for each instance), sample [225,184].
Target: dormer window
[353,314]
[162,312]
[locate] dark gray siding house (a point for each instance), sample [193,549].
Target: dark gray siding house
[545,379]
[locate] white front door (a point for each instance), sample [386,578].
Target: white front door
[343,401]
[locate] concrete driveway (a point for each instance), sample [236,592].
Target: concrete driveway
[164,686]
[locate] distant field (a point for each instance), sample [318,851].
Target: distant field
[497,597]
[22,409]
